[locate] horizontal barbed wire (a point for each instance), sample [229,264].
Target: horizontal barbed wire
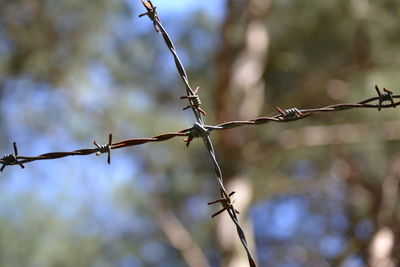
[288,115]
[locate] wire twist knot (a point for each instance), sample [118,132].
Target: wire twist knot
[196,131]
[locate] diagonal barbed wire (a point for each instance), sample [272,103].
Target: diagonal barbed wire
[194,103]
[203,131]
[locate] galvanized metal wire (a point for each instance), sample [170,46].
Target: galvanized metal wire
[383,100]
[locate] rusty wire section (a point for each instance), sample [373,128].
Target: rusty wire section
[287,115]
[200,130]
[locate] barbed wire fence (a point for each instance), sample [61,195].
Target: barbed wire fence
[384,99]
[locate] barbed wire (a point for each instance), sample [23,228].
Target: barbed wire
[203,131]
[287,115]
[293,114]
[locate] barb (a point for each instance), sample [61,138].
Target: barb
[194,101]
[385,96]
[11,159]
[226,203]
[104,148]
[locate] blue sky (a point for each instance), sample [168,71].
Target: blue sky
[214,6]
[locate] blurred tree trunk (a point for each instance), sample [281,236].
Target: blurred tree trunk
[241,62]
[178,235]
[384,247]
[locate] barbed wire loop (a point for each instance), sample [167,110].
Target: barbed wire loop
[11,159]
[104,148]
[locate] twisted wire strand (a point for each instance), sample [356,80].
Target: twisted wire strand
[88,151]
[305,113]
[279,118]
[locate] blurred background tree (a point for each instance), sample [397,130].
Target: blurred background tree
[318,192]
